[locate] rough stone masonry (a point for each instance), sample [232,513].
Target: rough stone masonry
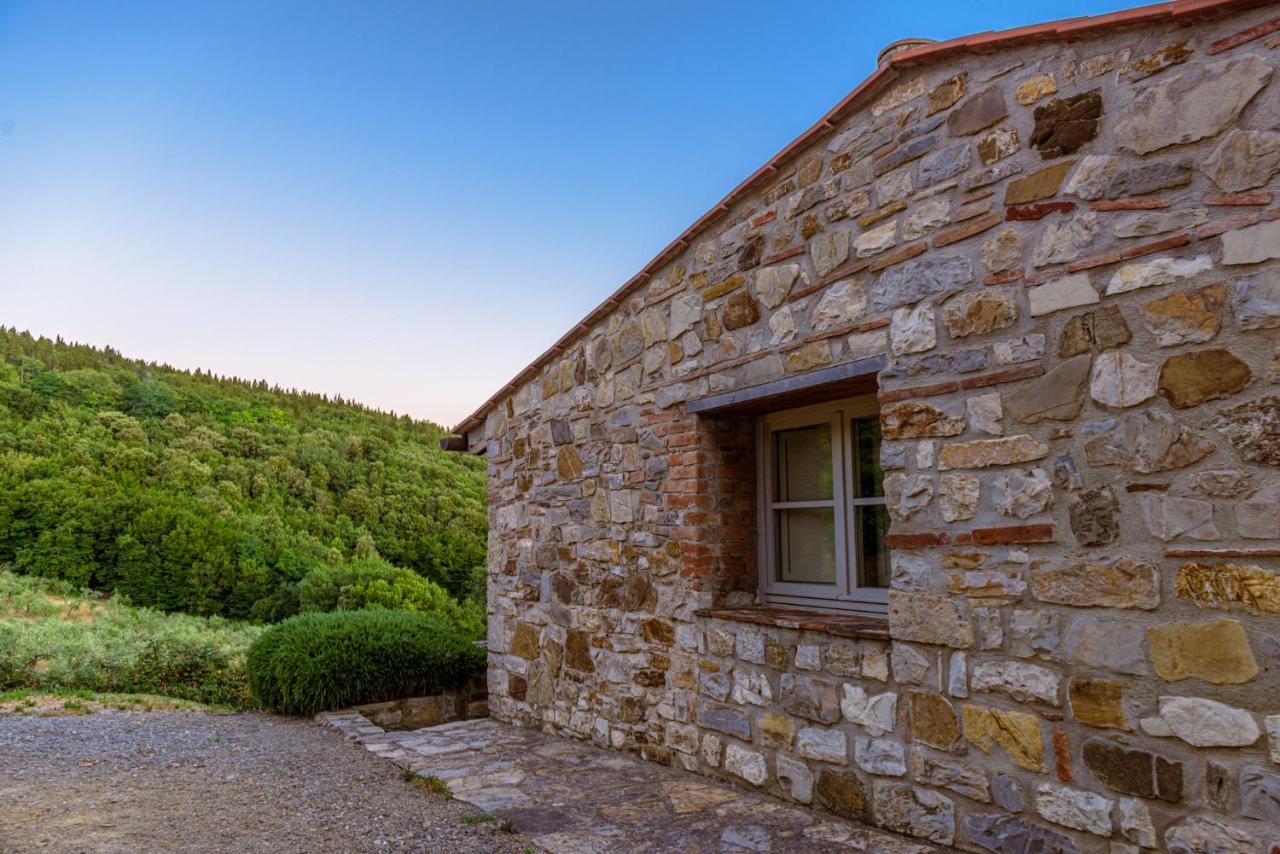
[1068,251]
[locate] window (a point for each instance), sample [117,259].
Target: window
[822,512]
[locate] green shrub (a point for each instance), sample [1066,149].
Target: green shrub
[371,582]
[54,638]
[329,660]
[257,663]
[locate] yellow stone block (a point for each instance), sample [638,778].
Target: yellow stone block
[812,355]
[885,212]
[568,463]
[1219,585]
[727,286]
[1016,733]
[1216,652]
[1030,91]
[933,720]
[1098,702]
[777,730]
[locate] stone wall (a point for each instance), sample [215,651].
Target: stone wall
[465,703]
[1070,254]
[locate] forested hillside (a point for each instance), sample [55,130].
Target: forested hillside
[190,492]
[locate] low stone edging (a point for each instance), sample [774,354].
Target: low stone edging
[465,703]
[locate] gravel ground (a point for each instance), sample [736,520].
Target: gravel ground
[194,781]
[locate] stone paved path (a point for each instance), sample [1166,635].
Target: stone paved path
[570,797]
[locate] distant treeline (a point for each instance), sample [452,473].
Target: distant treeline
[213,495]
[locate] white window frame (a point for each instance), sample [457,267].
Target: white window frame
[845,594]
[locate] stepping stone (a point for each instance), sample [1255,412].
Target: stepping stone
[571,797]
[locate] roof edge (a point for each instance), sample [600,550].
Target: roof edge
[985,42]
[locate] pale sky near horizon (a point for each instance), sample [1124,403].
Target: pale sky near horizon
[401,203]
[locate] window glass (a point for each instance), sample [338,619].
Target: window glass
[806,541]
[802,458]
[872,521]
[822,551]
[869,478]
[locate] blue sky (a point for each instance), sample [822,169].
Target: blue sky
[403,203]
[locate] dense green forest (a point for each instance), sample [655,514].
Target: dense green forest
[211,495]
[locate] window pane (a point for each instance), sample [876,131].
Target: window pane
[866,443]
[802,459]
[872,521]
[807,545]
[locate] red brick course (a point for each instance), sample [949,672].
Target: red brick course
[1013,534]
[1244,36]
[1134,204]
[1030,213]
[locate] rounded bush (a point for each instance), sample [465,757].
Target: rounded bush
[329,660]
[257,665]
[373,583]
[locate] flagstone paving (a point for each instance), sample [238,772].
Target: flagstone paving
[570,797]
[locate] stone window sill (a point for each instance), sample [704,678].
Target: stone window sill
[839,625]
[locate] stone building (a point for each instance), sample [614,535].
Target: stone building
[931,478]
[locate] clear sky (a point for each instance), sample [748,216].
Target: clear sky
[402,203]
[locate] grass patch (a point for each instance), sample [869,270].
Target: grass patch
[428,783]
[70,702]
[55,639]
